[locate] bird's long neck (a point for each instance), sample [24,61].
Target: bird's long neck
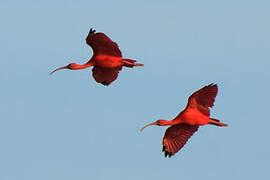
[81,66]
[164,122]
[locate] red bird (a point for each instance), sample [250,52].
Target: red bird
[107,59]
[196,114]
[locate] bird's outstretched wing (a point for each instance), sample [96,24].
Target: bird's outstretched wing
[102,44]
[105,76]
[176,137]
[203,99]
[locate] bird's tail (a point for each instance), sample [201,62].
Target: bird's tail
[217,122]
[130,63]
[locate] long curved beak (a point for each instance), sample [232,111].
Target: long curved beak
[151,124]
[64,67]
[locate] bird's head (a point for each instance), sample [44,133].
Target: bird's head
[160,122]
[71,66]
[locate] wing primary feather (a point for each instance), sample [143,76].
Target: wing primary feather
[102,44]
[203,99]
[166,154]
[176,137]
[92,31]
[163,148]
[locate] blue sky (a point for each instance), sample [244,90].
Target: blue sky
[66,126]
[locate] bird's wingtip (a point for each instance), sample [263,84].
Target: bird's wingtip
[92,31]
[213,84]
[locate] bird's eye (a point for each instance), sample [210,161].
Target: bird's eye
[71,65]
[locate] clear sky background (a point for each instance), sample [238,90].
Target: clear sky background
[66,126]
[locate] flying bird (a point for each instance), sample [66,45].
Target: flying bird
[196,113]
[107,59]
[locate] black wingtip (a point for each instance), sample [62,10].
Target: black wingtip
[213,84]
[169,154]
[105,83]
[163,148]
[92,31]
[166,154]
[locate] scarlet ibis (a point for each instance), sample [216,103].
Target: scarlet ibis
[107,59]
[196,113]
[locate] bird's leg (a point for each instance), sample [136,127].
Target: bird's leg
[216,122]
[130,63]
